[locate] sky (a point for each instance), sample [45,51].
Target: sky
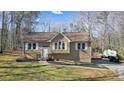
[59,16]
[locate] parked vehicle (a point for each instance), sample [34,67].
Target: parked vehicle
[111,55]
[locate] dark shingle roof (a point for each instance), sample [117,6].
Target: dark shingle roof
[39,36]
[77,36]
[46,36]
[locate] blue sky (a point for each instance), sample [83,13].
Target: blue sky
[58,16]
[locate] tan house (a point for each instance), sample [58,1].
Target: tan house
[74,46]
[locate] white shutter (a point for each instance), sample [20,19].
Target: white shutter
[37,46]
[86,46]
[76,46]
[53,46]
[65,45]
[26,46]
[31,46]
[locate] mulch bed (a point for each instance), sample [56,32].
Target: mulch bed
[25,60]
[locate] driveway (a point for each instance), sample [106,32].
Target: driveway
[117,68]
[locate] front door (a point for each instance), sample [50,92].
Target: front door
[45,53]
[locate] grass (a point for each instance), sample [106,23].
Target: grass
[121,57]
[13,71]
[9,57]
[34,71]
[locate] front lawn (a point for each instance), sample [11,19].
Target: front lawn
[7,57]
[34,71]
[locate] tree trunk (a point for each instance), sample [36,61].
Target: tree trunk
[2,30]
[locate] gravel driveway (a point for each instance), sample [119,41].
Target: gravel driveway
[117,68]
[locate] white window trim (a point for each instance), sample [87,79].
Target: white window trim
[86,46]
[76,46]
[65,45]
[26,46]
[53,45]
[37,46]
[32,46]
[61,47]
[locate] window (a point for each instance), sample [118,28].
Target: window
[55,45]
[83,45]
[63,45]
[80,46]
[29,46]
[59,45]
[34,45]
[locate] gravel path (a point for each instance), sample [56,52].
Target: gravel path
[116,67]
[87,66]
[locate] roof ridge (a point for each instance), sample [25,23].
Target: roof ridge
[45,36]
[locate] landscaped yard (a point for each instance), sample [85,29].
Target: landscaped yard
[34,71]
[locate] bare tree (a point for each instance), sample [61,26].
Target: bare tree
[2,31]
[12,29]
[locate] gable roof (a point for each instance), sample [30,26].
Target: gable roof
[39,36]
[77,36]
[62,35]
[47,36]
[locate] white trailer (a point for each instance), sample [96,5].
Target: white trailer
[109,52]
[111,55]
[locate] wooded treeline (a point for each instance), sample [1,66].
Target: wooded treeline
[105,28]
[13,27]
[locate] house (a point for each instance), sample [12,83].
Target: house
[74,46]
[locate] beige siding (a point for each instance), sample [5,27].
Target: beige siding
[60,37]
[76,55]
[34,53]
[70,54]
[44,44]
[85,56]
[73,55]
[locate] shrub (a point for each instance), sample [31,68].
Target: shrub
[120,56]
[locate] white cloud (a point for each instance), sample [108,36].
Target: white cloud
[57,12]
